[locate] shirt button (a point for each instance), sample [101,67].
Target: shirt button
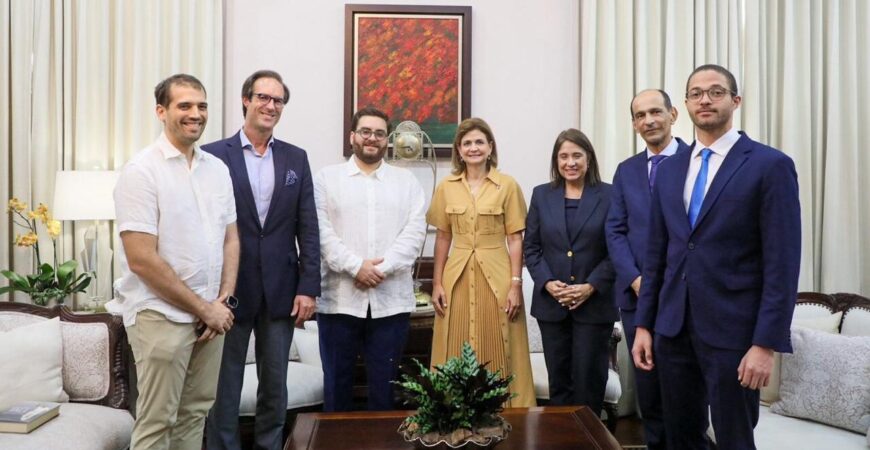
[570,254]
[572,277]
[691,245]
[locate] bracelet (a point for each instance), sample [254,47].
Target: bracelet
[519,280]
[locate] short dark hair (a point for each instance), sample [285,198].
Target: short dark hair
[248,86]
[665,98]
[368,111]
[732,82]
[576,136]
[162,90]
[465,127]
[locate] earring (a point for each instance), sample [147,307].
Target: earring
[488,157]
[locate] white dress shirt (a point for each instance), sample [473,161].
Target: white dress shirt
[719,149]
[670,150]
[188,208]
[261,174]
[363,217]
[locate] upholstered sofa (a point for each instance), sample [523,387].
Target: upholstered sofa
[824,386]
[79,360]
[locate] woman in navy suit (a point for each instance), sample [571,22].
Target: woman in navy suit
[566,255]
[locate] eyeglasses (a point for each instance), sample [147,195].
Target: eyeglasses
[266,98]
[715,93]
[367,133]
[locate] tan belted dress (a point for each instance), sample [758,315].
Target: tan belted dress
[477,277]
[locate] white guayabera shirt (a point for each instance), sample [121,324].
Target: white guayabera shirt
[363,217]
[188,208]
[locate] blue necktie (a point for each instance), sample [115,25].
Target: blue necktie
[653,165]
[698,189]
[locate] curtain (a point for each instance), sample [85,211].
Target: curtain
[77,77]
[799,67]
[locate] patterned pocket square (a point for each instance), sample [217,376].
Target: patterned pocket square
[290,178]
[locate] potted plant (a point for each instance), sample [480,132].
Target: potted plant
[457,404]
[51,282]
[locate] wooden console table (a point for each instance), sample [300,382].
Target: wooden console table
[542,428]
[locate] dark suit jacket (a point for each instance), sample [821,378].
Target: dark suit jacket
[626,225]
[738,268]
[270,267]
[548,241]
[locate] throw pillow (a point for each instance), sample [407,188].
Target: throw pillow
[856,322]
[827,379]
[828,323]
[31,358]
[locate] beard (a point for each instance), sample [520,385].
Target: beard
[369,158]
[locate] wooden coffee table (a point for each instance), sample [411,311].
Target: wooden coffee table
[542,428]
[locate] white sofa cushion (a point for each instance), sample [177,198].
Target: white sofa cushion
[308,345]
[304,387]
[31,358]
[78,427]
[777,432]
[87,362]
[856,322]
[808,316]
[827,379]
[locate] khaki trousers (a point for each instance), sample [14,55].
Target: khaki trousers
[177,380]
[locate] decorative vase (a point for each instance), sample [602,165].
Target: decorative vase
[483,438]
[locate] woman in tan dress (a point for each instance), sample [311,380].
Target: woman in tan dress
[477,289]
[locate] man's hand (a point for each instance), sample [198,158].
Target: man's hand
[439,299]
[514,301]
[754,369]
[368,274]
[216,317]
[642,352]
[303,308]
[635,286]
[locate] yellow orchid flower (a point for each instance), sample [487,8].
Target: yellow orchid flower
[16,205]
[53,227]
[26,240]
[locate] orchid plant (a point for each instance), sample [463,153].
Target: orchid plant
[50,281]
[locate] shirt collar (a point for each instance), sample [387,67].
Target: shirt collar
[494,175]
[246,143]
[670,150]
[721,146]
[169,151]
[351,169]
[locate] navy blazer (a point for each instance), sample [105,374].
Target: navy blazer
[738,268]
[626,225]
[270,266]
[553,252]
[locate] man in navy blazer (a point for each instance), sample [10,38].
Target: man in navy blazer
[274,194]
[720,273]
[652,116]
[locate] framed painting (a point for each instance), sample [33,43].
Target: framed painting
[412,62]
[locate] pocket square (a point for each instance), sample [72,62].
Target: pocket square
[290,178]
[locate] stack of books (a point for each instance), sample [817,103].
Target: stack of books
[27,416]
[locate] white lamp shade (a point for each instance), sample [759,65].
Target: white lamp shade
[84,195]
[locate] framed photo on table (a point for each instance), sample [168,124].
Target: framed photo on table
[412,62]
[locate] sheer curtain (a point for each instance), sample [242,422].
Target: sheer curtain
[78,77]
[799,66]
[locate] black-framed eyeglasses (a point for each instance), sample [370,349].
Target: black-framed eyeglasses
[266,98]
[715,93]
[367,133]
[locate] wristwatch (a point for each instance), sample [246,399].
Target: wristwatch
[518,280]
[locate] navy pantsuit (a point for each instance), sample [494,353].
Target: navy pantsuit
[627,232]
[279,260]
[713,291]
[575,342]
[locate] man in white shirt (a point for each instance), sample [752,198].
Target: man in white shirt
[372,226]
[177,219]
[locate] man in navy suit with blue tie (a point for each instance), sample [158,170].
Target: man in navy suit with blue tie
[652,116]
[720,273]
[279,269]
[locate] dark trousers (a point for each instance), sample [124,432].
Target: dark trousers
[577,361]
[695,375]
[273,339]
[649,393]
[381,342]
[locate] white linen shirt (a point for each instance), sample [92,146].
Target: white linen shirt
[363,217]
[188,208]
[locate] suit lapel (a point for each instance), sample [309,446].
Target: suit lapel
[279,158]
[588,203]
[239,169]
[556,203]
[733,160]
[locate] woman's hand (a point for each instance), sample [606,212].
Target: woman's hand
[579,294]
[514,301]
[439,299]
[556,288]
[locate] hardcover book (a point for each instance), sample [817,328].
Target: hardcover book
[27,416]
